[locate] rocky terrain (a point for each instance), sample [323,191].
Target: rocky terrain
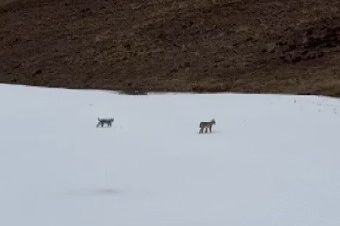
[263,46]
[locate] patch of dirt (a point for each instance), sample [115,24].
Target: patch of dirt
[6,2]
[264,46]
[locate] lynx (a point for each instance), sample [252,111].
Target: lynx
[206,125]
[102,122]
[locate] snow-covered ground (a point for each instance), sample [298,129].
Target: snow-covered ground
[272,160]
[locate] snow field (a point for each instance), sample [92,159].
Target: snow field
[271,159]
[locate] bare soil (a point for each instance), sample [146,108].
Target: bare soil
[262,46]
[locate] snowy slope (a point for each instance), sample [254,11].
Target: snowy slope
[271,160]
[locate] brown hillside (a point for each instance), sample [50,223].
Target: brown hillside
[290,46]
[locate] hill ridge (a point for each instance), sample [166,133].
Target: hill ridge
[168,45]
